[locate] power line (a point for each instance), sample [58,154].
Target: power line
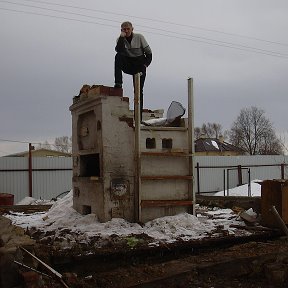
[35,143]
[230,45]
[160,21]
[202,39]
[16,141]
[57,17]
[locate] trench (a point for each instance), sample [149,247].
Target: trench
[109,260]
[180,265]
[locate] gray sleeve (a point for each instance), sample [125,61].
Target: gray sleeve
[145,45]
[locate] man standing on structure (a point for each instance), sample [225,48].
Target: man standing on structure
[133,56]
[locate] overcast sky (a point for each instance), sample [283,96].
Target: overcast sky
[235,50]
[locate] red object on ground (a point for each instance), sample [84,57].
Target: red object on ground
[6,199]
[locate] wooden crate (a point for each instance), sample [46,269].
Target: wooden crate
[274,193]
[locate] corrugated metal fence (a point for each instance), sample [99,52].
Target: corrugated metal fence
[52,176]
[217,173]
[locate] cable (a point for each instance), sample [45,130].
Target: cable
[17,141]
[230,45]
[35,143]
[160,21]
[57,17]
[224,44]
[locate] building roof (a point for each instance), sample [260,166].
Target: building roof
[40,153]
[215,145]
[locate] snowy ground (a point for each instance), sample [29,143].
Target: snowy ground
[243,190]
[185,227]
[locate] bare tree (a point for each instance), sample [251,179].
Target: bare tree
[44,145]
[210,130]
[63,144]
[197,132]
[254,133]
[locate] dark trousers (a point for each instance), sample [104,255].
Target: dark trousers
[129,66]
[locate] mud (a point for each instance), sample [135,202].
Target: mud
[257,260]
[253,264]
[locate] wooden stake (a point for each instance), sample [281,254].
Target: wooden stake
[54,272]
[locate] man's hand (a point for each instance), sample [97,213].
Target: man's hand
[123,34]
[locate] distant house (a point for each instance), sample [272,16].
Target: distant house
[216,147]
[41,153]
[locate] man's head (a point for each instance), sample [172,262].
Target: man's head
[127,27]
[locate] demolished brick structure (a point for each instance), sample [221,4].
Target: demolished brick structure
[104,160]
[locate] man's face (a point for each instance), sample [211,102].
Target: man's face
[127,29]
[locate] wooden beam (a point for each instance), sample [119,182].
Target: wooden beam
[172,154]
[165,203]
[166,177]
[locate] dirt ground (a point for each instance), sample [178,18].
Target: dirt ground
[258,260]
[216,264]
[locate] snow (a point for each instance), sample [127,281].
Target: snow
[155,122]
[214,143]
[166,229]
[33,201]
[243,190]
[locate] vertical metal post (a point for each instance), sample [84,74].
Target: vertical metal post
[30,169]
[198,177]
[191,140]
[249,183]
[282,171]
[227,182]
[137,208]
[224,178]
[240,181]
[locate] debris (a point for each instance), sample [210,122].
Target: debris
[32,269]
[249,216]
[54,272]
[280,221]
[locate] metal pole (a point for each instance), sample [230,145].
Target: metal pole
[198,177]
[282,171]
[224,187]
[30,169]
[249,183]
[240,181]
[191,141]
[137,118]
[227,182]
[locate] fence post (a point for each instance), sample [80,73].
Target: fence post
[240,182]
[283,171]
[198,177]
[224,180]
[30,169]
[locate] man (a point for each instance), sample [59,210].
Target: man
[133,56]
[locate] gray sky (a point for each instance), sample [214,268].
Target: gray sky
[46,60]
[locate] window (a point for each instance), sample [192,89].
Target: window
[89,165]
[150,143]
[167,143]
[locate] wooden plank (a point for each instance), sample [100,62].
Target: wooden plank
[270,196]
[27,209]
[165,203]
[166,177]
[49,268]
[280,221]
